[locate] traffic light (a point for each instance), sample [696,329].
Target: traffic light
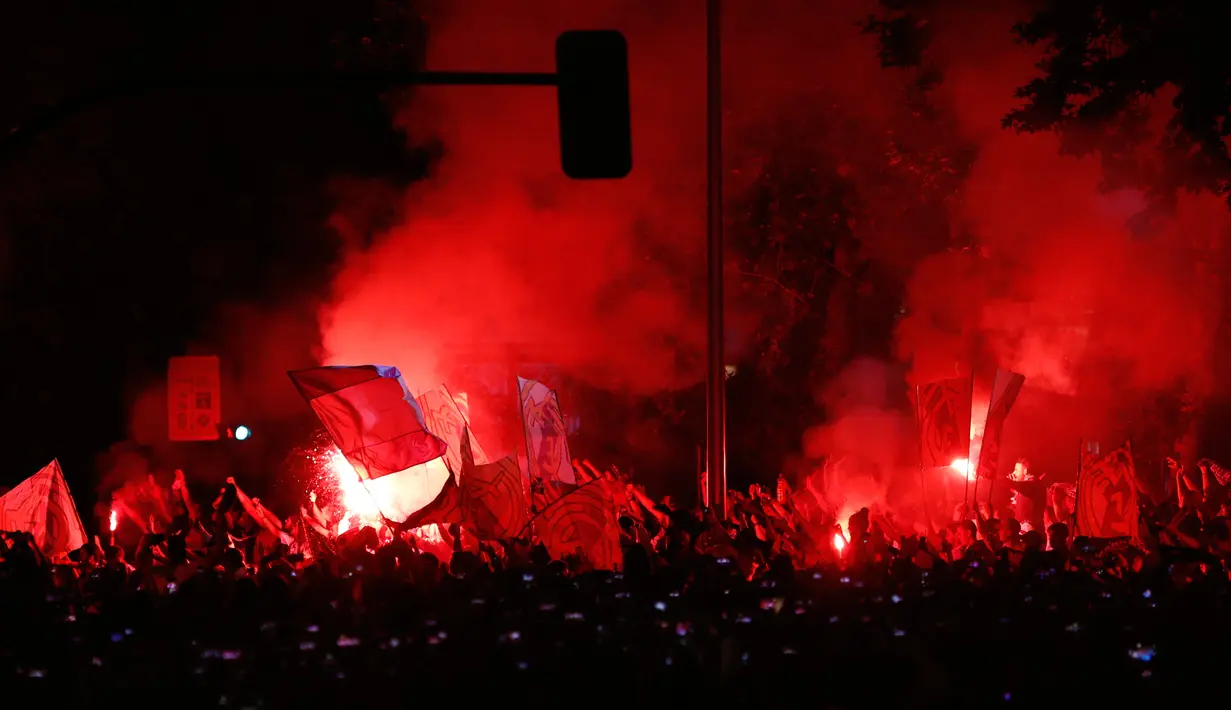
[592,92]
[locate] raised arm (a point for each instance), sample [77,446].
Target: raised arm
[258,513]
[180,488]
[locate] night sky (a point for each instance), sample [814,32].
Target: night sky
[127,229]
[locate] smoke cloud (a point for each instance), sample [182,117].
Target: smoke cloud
[498,248]
[1057,285]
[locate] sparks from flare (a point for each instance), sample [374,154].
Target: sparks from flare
[356,503]
[346,499]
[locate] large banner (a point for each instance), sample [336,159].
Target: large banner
[446,419]
[1107,495]
[194,398]
[582,522]
[551,377]
[371,416]
[42,506]
[492,496]
[1005,389]
[379,428]
[943,412]
[546,437]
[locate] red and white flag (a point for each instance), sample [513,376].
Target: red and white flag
[42,506]
[492,495]
[446,419]
[1005,389]
[546,437]
[583,522]
[379,428]
[1107,503]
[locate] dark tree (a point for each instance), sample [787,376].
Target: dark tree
[832,188]
[1103,63]
[1104,66]
[1103,60]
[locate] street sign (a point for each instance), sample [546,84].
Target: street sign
[194,409]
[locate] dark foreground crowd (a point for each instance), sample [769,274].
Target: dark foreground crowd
[768,610]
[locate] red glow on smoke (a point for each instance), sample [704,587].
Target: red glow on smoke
[1030,265]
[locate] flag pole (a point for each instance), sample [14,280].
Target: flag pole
[923,487]
[521,416]
[702,496]
[965,494]
[1137,489]
[974,498]
[1081,445]
[982,442]
[716,417]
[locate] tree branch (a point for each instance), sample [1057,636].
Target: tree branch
[792,292]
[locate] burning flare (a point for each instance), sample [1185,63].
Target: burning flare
[839,542]
[115,521]
[357,503]
[962,468]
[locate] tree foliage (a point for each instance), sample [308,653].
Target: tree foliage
[1103,60]
[832,190]
[1103,66]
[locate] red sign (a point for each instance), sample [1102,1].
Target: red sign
[194,407]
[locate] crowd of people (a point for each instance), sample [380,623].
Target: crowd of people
[780,604]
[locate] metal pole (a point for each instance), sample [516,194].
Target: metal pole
[716,367]
[255,81]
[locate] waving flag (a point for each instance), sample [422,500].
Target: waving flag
[492,496]
[943,411]
[1005,389]
[446,419]
[42,506]
[371,416]
[582,521]
[445,508]
[1107,495]
[546,438]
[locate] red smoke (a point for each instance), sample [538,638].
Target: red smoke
[498,248]
[1058,287]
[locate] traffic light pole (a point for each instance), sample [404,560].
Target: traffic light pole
[258,81]
[715,371]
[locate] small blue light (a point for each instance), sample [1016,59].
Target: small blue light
[242,432]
